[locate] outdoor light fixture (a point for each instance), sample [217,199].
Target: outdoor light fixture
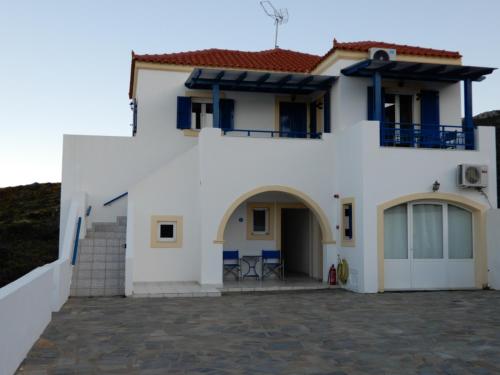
[435,186]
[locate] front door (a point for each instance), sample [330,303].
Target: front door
[428,245]
[293,119]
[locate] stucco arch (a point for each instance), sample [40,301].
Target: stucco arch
[479,218]
[310,203]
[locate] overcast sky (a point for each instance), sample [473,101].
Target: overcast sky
[65,65]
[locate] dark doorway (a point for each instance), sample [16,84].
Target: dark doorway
[296,241]
[293,119]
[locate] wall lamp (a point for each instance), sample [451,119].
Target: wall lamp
[435,186]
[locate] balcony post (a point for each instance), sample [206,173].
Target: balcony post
[377,94]
[216,105]
[468,120]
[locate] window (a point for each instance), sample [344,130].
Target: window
[347,224]
[396,232]
[201,113]
[166,231]
[260,218]
[398,118]
[459,233]
[422,231]
[427,231]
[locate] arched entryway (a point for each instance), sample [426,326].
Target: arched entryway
[431,241]
[278,218]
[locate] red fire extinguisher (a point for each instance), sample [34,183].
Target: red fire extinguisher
[332,276]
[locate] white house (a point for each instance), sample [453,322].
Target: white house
[355,153]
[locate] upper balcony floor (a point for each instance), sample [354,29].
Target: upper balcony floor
[417,104]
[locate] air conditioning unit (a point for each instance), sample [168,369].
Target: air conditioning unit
[382,54]
[470,175]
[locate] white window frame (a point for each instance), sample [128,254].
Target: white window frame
[444,208]
[266,218]
[397,104]
[166,239]
[204,118]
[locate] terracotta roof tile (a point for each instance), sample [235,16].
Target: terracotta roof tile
[278,59]
[403,49]
[274,59]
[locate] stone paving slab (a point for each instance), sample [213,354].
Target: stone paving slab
[307,332]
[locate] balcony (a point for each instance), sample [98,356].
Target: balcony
[270,133]
[426,136]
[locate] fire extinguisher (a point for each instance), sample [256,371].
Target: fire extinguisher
[332,276]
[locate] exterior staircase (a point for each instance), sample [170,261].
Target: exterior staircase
[100,266]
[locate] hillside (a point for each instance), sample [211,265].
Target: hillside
[29,228]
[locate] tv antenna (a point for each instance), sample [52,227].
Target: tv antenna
[280,17]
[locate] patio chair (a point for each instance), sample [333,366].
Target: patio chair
[231,264]
[272,264]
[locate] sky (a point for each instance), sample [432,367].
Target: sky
[65,65]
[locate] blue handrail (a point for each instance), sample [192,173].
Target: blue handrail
[87,213]
[272,133]
[399,134]
[115,199]
[77,237]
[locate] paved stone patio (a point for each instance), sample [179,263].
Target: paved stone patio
[310,332]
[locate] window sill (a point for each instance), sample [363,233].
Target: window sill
[191,132]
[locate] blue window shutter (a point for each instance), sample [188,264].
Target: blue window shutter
[227,113]
[429,119]
[370,100]
[183,112]
[429,108]
[312,119]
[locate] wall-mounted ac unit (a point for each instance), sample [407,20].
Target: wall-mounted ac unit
[382,54]
[470,175]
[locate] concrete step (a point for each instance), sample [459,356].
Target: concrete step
[100,264]
[108,227]
[106,235]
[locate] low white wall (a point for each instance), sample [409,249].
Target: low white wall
[25,311]
[493,245]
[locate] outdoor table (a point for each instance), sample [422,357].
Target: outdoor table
[251,261]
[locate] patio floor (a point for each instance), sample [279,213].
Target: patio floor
[303,332]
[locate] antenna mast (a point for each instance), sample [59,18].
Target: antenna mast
[280,17]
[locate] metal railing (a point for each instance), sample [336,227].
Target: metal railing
[108,203]
[77,239]
[396,134]
[274,133]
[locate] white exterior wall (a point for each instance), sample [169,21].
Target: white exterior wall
[380,174]
[231,167]
[167,173]
[171,190]
[493,245]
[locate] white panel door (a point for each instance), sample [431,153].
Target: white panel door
[428,245]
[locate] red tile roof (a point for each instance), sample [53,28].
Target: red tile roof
[402,49]
[274,59]
[278,59]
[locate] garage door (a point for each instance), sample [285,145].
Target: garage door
[428,245]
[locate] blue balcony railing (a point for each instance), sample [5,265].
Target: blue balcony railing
[272,133]
[397,134]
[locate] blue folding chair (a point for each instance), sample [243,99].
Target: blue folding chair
[231,264]
[272,264]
